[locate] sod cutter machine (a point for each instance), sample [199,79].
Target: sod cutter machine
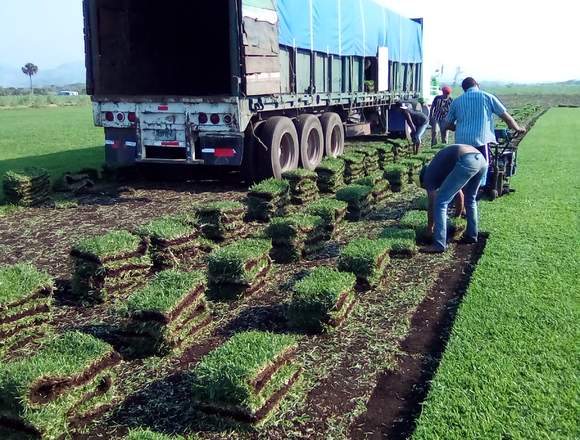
[502,164]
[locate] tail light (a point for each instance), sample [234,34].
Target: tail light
[132,117]
[227,119]
[109,116]
[215,119]
[120,117]
[202,118]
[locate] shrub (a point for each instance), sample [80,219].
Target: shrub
[366,258]
[246,376]
[324,298]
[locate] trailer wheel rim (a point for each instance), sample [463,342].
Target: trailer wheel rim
[287,149]
[335,138]
[313,146]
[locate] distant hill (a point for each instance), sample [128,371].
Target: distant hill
[69,73]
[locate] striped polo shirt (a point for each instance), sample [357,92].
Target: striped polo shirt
[440,107]
[473,114]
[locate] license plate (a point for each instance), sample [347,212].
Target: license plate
[165,135]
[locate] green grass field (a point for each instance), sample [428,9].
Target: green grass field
[56,138]
[511,367]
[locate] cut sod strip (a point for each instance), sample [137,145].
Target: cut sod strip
[238,268]
[414,166]
[68,379]
[378,183]
[322,300]
[332,213]
[303,188]
[354,166]
[295,236]
[268,199]
[25,305]
[330,174]
[365,258]
[108,266]
[421,203]
[28,187]
[173,241]
[424,157]
[402,242]
[358,198]
[397,176]
[417,220]
[371,164]
[170,310]
[220,220]
[146,434]
[247,377]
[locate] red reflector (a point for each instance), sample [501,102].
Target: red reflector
[224,152]
[163,108]
[109,116]
[132,117]
[215,119]
[170,144]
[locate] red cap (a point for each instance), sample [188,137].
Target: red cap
[446,89]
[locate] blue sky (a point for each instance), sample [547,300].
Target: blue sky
[491,40]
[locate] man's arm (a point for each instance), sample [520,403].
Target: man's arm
[459,204]
[511,123]
[431,195]
[410,121]
[451,117]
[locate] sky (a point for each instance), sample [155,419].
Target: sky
[501,40]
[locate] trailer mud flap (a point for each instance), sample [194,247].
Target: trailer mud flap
[120,146]
[222,150]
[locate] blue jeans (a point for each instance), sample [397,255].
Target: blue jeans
[417,135]
[484,149]
[466,175]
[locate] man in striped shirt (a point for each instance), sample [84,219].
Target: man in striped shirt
[471,116]
[439,111]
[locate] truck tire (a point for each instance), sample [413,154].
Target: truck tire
[311,139]
[333,134]
[280,137]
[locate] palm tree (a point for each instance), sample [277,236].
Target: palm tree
[30,70]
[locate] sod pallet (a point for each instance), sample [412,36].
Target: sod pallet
[402,242]
[354,166]
[268,199]
[365,258]
[380,186]
[168,312]
[25,305]
[401,148]
[332,212]
[109,266]
[68,380]
[238,268]
[247,377]
[384,153]
[146,434]
[330,174]
[414,166]
[220,220]
[371,160]
[303,186]
[397,175]
[358,198]
[28,187]
[322,300]
[173,241]
[295,236]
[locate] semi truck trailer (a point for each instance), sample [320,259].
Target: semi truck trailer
[265,86]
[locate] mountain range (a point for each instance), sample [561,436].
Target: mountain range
[70,73]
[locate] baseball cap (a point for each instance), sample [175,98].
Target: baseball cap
[447,90]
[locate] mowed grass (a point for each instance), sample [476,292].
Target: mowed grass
[59,139]
[511,367]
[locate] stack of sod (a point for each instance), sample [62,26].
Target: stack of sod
[106,266]
[167,312]
[371,158]
[378,183]
[303,187]
[402,242]
[424,157]
[366,258]
[28,187]
[414,165]
[330,173]
[220,220]
[331,211]
[400,148]
[25,303]
[173,241]
[456,227]
[66,382]
[295,236]
[323,299]
[397,176]
[268,199]
[385,154]
[417,220]
[358,198]
[354,166]
[421,203]
[238,268]
[146,434]
[247,377]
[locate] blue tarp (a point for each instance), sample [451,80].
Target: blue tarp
[349,27]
